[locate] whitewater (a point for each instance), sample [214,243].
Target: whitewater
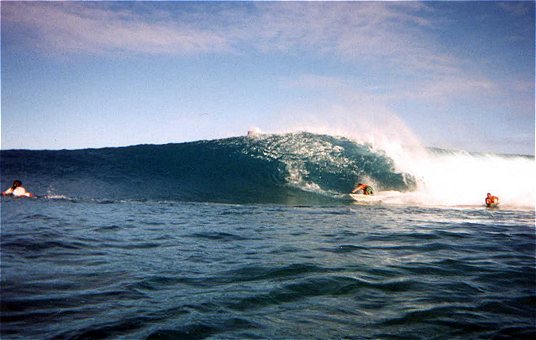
[257,237]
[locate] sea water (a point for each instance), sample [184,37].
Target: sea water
[254,239]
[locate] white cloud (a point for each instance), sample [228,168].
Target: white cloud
[364,31]
[67,28]
[379,35]
[392,33]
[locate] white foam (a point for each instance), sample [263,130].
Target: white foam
[455,178]
[460,178]
[254,132]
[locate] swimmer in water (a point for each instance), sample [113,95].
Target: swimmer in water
[17,190]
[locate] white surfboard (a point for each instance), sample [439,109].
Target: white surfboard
[366,198]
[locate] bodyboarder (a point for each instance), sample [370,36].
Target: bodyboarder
[491,201]
[17,190]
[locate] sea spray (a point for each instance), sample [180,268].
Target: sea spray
[461,178]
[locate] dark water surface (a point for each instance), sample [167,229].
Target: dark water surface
[202,270]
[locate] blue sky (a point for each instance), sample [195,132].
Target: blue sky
[447,74]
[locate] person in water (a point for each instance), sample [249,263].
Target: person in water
[491,200]
[17,190]
[367,189]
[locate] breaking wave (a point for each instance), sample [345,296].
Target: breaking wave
[292,168]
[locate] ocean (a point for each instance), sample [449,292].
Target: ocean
[257,238]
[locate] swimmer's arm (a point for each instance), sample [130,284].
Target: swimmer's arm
[7,192]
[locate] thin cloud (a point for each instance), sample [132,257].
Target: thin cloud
[442,88]
[313,81]
[518,8]
[377,35]
[369,32]
[364,31]
[73,28]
